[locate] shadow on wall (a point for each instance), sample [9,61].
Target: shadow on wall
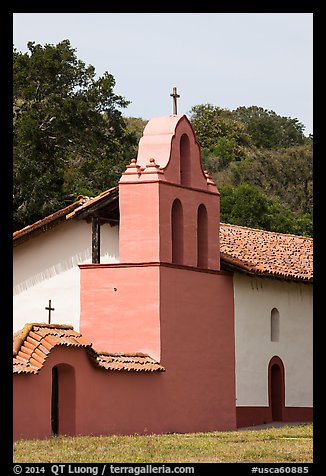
[59,250]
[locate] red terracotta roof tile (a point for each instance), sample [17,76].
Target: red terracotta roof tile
[47,345]
[266,253]
[32,345]
[29,345]
[36,363]
[27,350]
[35,336]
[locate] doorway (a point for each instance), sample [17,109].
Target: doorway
[63,400]
[55,402]
[276,389]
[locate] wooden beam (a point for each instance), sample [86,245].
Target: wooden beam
[96,239]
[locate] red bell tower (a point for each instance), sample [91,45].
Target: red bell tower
[169,207]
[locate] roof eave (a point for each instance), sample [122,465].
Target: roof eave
[43,225]
[81,209]
[94,205]
[229,264]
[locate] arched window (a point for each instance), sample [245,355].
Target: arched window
[177,232]
[275,325]
[185,163]
[202,237]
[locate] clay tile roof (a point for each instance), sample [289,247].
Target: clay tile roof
[110,193]
[33,343]
[48,221]
[266,253]
[137,362]
[82,205]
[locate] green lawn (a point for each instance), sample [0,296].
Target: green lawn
[287,444]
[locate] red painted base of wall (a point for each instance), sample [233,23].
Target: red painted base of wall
[179,315]
[250,416]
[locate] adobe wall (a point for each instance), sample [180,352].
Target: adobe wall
[254,347]
[294,347]
[46,267]
[105,402]
[182,317]
[197,349]
[120,307]
[195,393]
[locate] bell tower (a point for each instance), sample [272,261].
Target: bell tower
[169,207]
[168,297]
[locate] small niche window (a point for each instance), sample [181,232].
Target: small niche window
[275,325]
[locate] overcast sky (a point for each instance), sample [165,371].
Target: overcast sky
[226,59]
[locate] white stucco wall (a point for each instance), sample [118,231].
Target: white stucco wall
[254,299]
[46,267]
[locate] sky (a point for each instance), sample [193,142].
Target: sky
[225,59]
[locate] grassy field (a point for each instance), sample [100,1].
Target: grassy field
[287,444]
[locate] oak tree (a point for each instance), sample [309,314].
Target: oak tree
[70,136]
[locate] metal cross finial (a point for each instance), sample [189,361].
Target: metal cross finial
[175,95]
[49,309]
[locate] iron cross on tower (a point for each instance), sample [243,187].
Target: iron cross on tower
[49,308]
[175,96]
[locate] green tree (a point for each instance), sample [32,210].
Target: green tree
[268,154]
[219,134]
[221,155]
[247,205]
[136,126]
[269,130]
[286,174]
[69,134]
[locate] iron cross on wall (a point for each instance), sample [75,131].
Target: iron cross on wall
[49,308]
